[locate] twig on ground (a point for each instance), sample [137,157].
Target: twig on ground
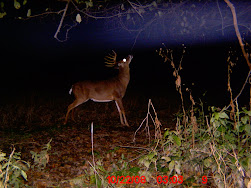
[6,178]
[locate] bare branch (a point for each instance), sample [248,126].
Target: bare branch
[98,17]
[221,17]
[7,169]
[61,22]
[238,32]
[136,38]
[230,25]
[132,5]
[70,27]
[246,81]
[45,13]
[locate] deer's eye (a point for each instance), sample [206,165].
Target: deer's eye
[124,60]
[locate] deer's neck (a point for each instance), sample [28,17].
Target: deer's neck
[124,76]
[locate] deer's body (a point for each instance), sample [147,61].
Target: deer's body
[112,89]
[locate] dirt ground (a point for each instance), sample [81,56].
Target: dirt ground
[71,148]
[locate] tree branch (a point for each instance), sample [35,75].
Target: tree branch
[61,22]
[238,32]
[98,17]
[242,47]
[246,81]
[135,9]
[221,17]
[45,13]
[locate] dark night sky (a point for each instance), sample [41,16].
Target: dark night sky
[31,59]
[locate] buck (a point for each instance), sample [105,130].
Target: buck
[112,89]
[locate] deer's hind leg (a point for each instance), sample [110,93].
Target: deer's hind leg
[73,105]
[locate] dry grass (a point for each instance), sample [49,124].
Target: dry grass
[29,124]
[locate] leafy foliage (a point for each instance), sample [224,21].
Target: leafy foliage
[12,170]
[221,150]
[41,158]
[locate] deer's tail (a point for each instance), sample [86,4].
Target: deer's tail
[70,91]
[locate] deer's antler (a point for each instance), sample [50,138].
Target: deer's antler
[110,60]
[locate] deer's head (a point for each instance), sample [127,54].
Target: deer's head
[125,62]
[111,61]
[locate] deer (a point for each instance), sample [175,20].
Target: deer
[112,89]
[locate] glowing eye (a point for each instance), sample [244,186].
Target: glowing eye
[124,60]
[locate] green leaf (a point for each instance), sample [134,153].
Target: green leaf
[217,134]
[17,4]
[2,14]
[215,116]
[92,179]
[154,4]
[2,4]
[89,3]
[216,124]
[16,167]
[242,128]
[207,162]
[171,165]
[247,112]
[244,119]
[134,170]
[147,164]
[4,165]
[78,18]
[24,2]
[177,140]
[248,130]
[166,133]
[223,115]
[230,137]
[151,155]
[29,13]
[122,7]
[147,175]
[98,182]
[160,13]
[167,159]
[122,156]
[17,155]
[2,154]
[221,129]
[178,168]
[23,173]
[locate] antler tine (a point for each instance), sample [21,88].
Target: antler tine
[115,55]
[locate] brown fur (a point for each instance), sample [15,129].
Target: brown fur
[112,89]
